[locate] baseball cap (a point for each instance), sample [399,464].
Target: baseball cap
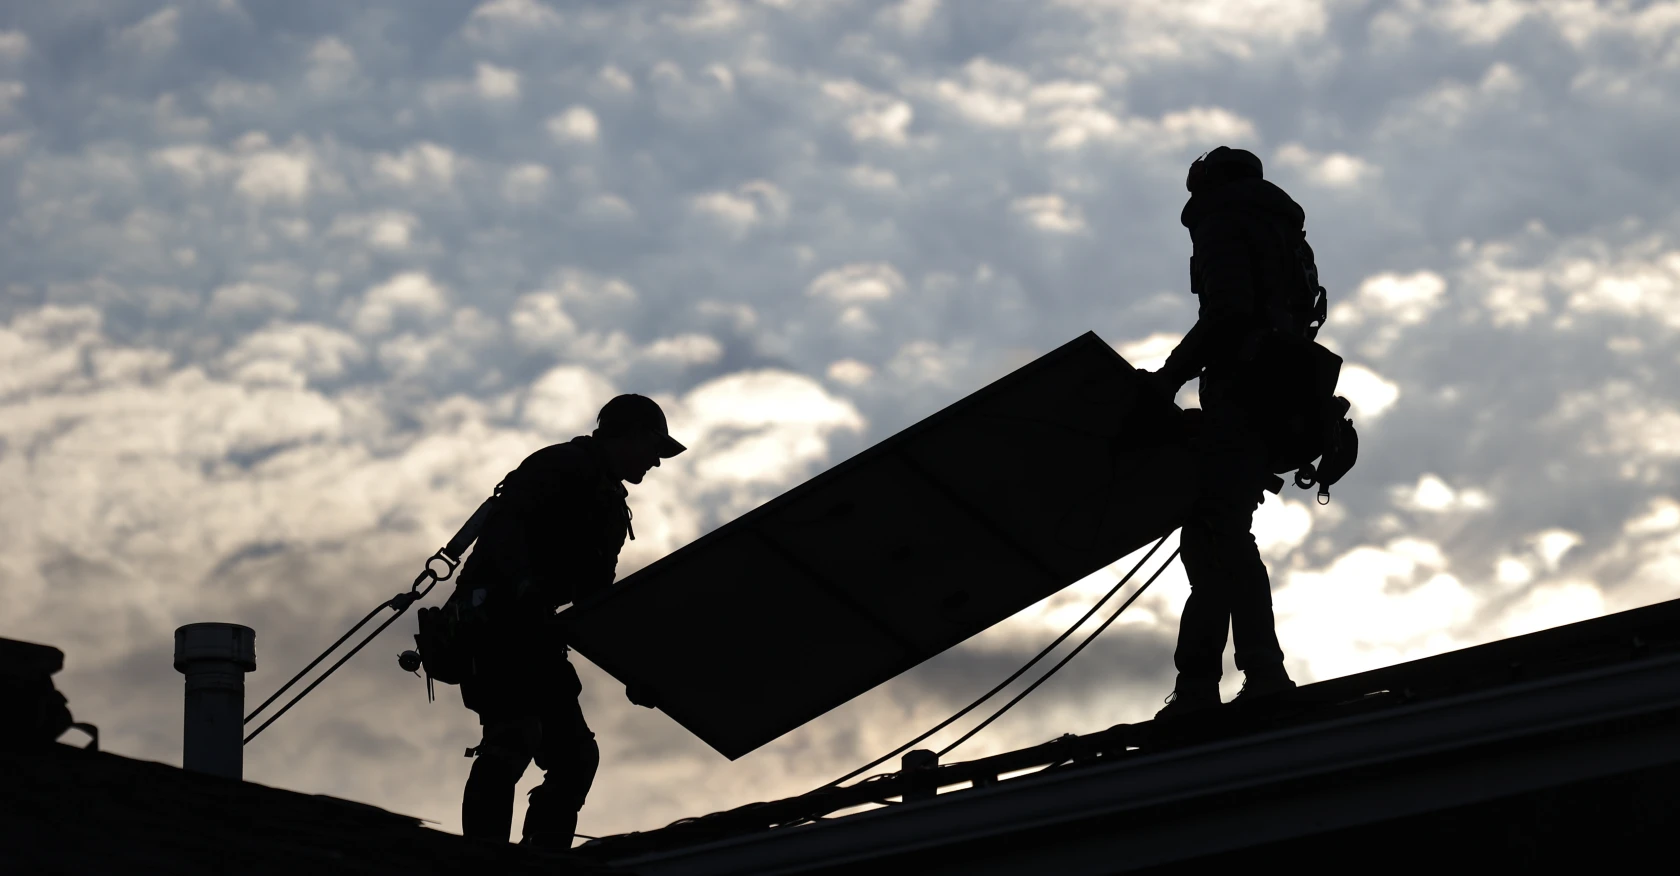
[632,413]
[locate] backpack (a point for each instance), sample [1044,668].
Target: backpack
[1290,383]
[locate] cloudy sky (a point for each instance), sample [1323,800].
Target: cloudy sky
[290,285]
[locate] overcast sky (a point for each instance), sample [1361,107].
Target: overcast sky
[290,284]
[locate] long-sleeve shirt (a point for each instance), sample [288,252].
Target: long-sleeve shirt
[553,537]
[1238,233]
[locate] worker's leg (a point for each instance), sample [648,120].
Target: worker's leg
[1245,587]
[1229,587]
[569,756]
[487,805]
[1207,612]
[1233,489]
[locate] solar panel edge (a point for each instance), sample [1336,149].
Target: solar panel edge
[882,678]
[881,448]
[747,524]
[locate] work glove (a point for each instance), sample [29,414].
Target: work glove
[642,695]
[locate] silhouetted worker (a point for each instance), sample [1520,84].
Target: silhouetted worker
[553,537]
[1241,270]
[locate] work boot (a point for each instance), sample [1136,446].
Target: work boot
[1263,682]
[1190,696]
[549,822]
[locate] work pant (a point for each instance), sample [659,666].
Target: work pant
[529,717]
[1229,587]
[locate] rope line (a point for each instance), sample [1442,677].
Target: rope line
[1017,674]
[334,668]
[401,602]
[313,663]
[1070,655]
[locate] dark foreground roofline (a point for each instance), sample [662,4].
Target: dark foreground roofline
[1572,704]
[69,810]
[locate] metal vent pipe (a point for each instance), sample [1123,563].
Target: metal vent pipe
[215,658]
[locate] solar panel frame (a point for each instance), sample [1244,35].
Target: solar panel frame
[881,650]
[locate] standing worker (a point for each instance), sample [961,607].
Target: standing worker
[553,538]
[1247,245]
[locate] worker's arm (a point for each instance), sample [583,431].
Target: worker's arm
[1223,279]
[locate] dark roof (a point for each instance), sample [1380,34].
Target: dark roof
[1561,709]
[29,659]
[68,810]
[1551,746]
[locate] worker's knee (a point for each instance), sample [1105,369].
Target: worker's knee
[571,764]
[567,782]
[509,745]
[589,760]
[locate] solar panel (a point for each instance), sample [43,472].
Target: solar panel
[893,556]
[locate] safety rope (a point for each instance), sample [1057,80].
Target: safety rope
[1070,655]
[400,602]
[1018,673]
[448,556]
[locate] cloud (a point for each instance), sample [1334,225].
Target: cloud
[14,45]
[519,13]
[10,94]
[250,298]
[684,350]
[274,176]
[540,319]
[411,293]
[496,83]
[986,94]
[910,16]
[525,184]
[564,402]
[1334,169]
[392,230]
[1150,353]
[1050,213]
[1371,607]
[854,284]
[748,205]
[420,163]
[747,404]
[577,124]
[850,372]
[873,116]
[293,355]
[332,65]
[1405,300]
[1367,391]
[1434,495]
[154,35]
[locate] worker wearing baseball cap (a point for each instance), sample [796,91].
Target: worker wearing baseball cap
[552,538]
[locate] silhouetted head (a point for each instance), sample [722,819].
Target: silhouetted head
[632,431]
[1221,166]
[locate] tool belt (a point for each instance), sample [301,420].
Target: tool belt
[449,638]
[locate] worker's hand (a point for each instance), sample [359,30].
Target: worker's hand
[642,695]
[1157,384]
